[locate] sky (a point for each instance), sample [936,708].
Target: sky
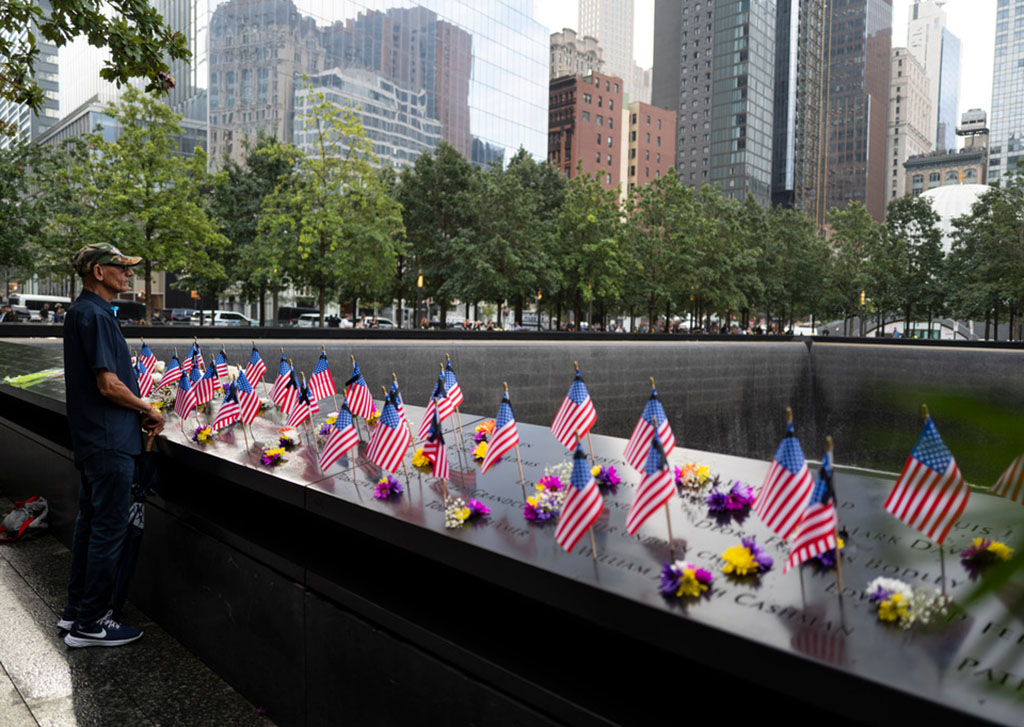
[973,21]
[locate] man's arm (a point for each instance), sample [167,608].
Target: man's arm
[114,389]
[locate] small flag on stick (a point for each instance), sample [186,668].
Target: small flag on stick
[783,497]
[1011,483]
[640,440]
[576,415]
[816,532]
[583,503]
[930,493]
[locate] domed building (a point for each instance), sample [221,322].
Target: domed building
[951,202]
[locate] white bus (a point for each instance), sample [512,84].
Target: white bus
[35,303]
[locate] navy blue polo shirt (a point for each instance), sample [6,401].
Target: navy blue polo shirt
[93,342]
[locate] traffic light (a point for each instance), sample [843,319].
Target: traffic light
[862,298]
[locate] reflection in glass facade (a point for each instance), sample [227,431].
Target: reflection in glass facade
[858,88]
[949,91]
[478,72]
[1006,143]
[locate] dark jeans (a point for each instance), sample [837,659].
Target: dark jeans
[103,503]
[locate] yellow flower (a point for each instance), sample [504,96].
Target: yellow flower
[419,459]
[703,473]
[841,544]
[739,560]
[533,500]
[382,481]
[331,418]
[539,487]
[689,585]
[272,452]
[462,514]
[481,451]
[1000,550]
[373,418]
[893,608]
[203,434]
[158,405]
[595,470]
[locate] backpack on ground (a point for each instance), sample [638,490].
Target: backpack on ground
[27,518]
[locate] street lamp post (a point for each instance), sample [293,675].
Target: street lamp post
[419,295]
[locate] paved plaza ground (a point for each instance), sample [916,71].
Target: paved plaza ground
[43,683]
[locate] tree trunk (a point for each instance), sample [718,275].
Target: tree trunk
[650,314]
[988,321]
[263,306]
[668,312]
[149,290]
[275,298]
[578,310]
[71,288]
[519,310]
[467,309]
[995,323]
[442,316]
[558,314]
[632,319]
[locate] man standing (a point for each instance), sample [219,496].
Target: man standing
[106,417]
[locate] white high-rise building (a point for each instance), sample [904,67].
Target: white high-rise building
[938,50]
[611,22]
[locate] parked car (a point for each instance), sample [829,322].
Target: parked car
[176,316]
[309,320]
[223,318]
[289,315]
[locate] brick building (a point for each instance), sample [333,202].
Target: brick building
[585,126]
[651,143]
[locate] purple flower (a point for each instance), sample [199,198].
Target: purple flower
[551,482]
[387,487]
[764,561]
[480,437]
[718,501]
[740,497]
[477,508]
[670,577]
[827,559]
[531,513]
[703,576]
[325,429]
[880,594]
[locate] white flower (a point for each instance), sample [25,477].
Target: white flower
[892,585]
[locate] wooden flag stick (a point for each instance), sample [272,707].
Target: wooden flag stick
[593,544]
[942,551]
[522,479]
[590,444]
[405,469]
[412,439]
[835,503]
[671,540]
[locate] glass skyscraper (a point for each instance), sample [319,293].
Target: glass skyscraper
[1006,142]
[475,75]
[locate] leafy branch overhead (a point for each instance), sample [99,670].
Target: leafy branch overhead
[138,39]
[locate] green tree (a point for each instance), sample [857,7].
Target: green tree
[912,259]
[660,215]
[139,41]
[590,235]
[145,198]
[801,259]
[236,199]
[438,209]
[340,229]
[854,236]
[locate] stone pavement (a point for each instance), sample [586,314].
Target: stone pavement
[154,681]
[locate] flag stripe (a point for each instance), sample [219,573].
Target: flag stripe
[501,442]
[654,491]
[1011,483]
[340,442]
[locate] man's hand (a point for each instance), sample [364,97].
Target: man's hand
[152,422]
[112,388]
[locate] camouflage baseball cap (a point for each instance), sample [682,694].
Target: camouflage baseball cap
[100,253]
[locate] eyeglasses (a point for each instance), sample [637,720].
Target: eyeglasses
[120,266]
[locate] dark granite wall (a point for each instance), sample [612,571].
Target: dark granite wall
[725,396]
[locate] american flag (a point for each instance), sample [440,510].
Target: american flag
[930,493]
[504,437]
[440,403]
[783,497]
[816,531]
[583,503]
[576,415]
[205,386]
[230,409]
[255,369]
[248,400]
[185,398]
[221,364]
[640,440]
[144,377]
[284,375]
[172,373]
[302,409]
[343,437]
[321,383]
[397,398]
[451,386]
[288,394]
[1011,482]
[435,450]
[147,358]
[194,357]
[358,393]
[656,487]
[390,439]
